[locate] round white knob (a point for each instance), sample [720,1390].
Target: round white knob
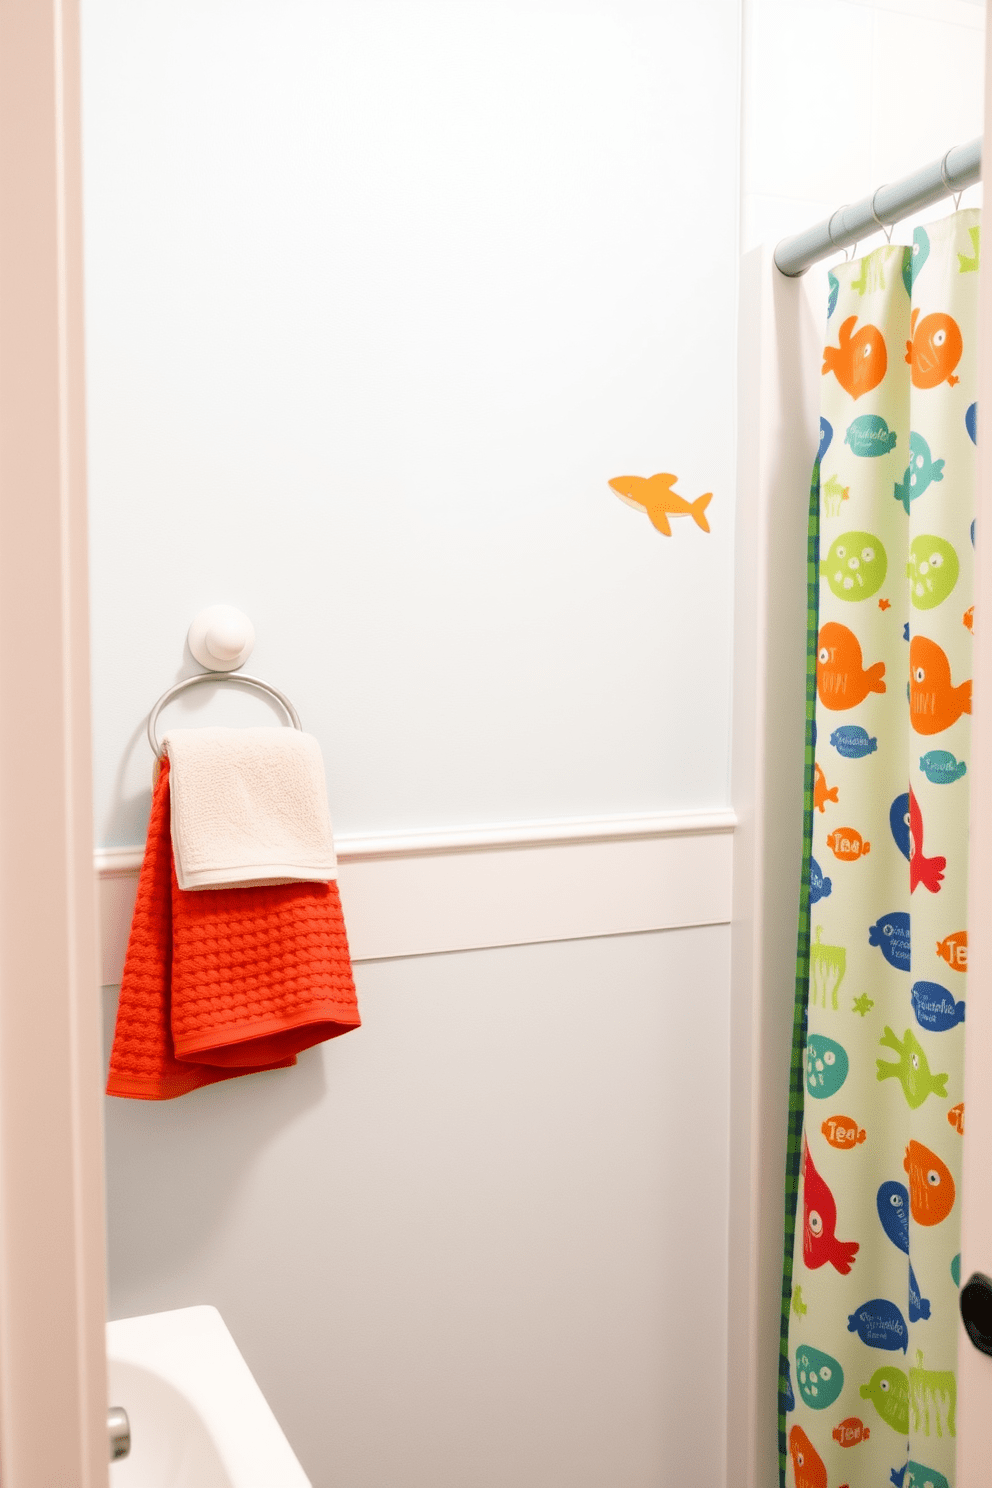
[226,638]
[221,638]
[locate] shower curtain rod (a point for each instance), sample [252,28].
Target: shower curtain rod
[960,167]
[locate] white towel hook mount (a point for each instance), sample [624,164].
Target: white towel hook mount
[221,638]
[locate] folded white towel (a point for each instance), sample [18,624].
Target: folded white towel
[249,806]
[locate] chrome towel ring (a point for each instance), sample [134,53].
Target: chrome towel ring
[219,677]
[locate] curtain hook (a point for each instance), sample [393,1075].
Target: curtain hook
[947,185]
[848,255]
[887,230]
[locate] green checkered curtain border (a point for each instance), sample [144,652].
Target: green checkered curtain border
[794,1138]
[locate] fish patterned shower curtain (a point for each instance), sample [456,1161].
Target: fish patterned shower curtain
[870,1322]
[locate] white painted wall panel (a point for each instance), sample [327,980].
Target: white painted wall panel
[482,1240]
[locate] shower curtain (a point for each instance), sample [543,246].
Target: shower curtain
[870,1325]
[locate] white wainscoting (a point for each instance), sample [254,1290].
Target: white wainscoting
[425,893]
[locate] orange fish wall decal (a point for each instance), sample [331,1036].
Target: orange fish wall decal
[859,362]
[655,496]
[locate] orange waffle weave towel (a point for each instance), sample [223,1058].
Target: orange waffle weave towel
[224,982]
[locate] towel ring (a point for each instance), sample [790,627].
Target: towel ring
[167,697]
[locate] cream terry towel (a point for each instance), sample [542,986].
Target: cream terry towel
[249,806]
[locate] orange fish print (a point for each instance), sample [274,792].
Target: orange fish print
[934,703]
[968,619]
[848,845]
[934,351]
[931,1187]
[840,678]
[956,1117]
[954,950]
[843,1133]
[806,1464]
[821,793]
[850,1432]
[859,362]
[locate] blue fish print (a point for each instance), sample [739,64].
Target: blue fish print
[891,934]
[899,822]
[852,741]
[880,1325]
[834,284]
[921,472]
[916,258]
[819,887]
[935,1008]
[826,434]
[941,768]
[898,1474]
[905,631]
[919,1307]
[870,436]
[790,1399]
[970,422]
[892,1203]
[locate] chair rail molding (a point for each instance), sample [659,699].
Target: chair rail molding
[424,893]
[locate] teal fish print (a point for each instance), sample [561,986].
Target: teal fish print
[870,436]
[921,472]
[941,768]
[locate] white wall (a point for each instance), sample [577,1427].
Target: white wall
[380,295]
[841,96]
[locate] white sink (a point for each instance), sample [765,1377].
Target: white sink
[198,1419]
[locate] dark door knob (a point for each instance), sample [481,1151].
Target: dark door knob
[976,1310]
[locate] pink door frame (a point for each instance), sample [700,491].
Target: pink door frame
[53,1391]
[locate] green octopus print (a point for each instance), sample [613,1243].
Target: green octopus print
[870,1327]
